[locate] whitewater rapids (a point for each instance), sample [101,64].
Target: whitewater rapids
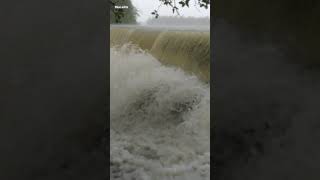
[160,120]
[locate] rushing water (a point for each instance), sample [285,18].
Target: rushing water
[187,48]
[160,120]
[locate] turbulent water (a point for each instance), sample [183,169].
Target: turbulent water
[160,120]
[186,48]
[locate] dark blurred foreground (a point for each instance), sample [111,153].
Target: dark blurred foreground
[53,89]
[266,109]
[294,21]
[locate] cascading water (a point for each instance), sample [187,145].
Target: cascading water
[185,47]
[160,119]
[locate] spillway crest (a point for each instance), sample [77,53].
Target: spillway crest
[187,49]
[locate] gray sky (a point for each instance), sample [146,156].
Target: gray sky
[145,7]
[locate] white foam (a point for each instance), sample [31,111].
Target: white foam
[160,120]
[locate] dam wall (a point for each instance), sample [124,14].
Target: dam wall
[186,49]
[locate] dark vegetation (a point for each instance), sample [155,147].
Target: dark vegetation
[175,5]
[127,16]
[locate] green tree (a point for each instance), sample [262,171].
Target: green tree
[175,5]
[129,15]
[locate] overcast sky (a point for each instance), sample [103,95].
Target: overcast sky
[145,7]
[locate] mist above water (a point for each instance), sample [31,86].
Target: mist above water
[173,23]
[178,21]
[160,120]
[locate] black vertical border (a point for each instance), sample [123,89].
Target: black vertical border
[212,83]
[107,129]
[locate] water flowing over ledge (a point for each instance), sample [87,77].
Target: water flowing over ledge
[186,47]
